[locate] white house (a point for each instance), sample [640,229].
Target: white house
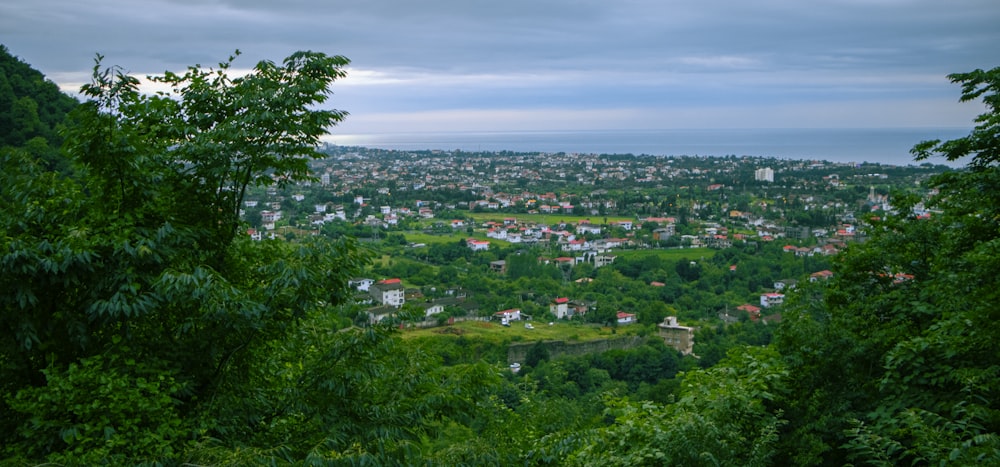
[512,314]
[388,292]
[431,309]
[627,225]
[584,229]
[560,308]
[477,245]
[771,299]
[361,283]
[270,216]
[625,318]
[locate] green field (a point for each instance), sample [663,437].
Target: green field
[430,239]
[492,331]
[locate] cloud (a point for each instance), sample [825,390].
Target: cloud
[553,62]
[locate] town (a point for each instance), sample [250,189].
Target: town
[515,236]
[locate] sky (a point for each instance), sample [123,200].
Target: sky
[555,65]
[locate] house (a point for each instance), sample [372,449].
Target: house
[379,313]
[564,260]
[586,228]
[455,302]
[771,299]
[679,337]
[785,284]
[900,277]
[388,292]
[663,233]
[361,283]
[751,310]
[432,308]
[499,266]
[477,245]
[821,275]
[603,260]
[506,316]
[270,216]
[560,308]
[625,318]
[627,225]
[577,307]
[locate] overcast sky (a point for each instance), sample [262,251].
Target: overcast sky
[511,65]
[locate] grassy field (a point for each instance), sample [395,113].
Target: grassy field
[492,331]
[431,239]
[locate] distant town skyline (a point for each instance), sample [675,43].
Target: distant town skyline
[518,65]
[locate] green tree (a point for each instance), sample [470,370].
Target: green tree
[723,416]
[897,363]
[133,275]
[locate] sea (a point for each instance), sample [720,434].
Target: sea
[887,146]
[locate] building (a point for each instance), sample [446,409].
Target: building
[388,292]
[507,316]
[752,311]
[765,174]
[771,299]
[361,283]
[664,232]
[477,245]
[676,336]
[560,308]
[270,216]
[499,266]
[625,318]
[825,274]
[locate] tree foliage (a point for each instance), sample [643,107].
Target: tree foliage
[134,276]
[898,365]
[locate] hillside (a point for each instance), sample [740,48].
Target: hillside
[31,107]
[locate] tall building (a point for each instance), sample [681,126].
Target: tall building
[764,175]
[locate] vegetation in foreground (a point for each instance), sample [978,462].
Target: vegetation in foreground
[143,330]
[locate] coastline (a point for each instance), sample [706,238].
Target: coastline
[888,146]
